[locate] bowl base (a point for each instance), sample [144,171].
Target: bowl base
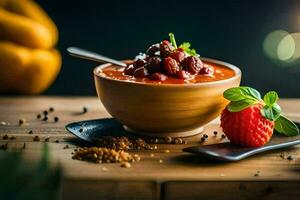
[165,134]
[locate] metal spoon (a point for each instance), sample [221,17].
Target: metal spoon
[88,55]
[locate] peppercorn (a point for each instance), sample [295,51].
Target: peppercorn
[5,137]
[57,141]
[56,119]
[12,137]
[257,173]
[21,121]
[51,109]
[36,138]
[39,116]
[84,109]
[168,139]
[30,132]
[66,147]
[290,157]
[4,146]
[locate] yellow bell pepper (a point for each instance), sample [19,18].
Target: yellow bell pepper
[28,61]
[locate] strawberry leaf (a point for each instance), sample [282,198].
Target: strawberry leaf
[236,106]
[286,127]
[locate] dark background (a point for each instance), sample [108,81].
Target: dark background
[231,31]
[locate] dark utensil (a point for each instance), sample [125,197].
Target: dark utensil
[229,152]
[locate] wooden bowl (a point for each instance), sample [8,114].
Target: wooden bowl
[161,110]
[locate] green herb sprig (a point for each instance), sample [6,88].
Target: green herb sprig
[243,97]
[186,46]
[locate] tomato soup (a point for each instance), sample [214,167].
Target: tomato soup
[219,73]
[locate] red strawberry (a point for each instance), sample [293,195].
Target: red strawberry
[247,127]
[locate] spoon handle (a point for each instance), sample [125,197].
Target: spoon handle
[88,55]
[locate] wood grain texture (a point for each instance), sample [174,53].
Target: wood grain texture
[148,179]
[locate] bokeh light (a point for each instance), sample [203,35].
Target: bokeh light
[282,47]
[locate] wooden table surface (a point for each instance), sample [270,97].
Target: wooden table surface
[179,176]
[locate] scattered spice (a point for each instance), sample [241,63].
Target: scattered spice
[4,146]
[30,132]
[104,169]
[12,137]
[125,164]
[51,109]
[290,157]
[21,121]
[56,119]
[215,133]
[123,143]
[5,137]
[257,173]
[36,138]
[3,123]
[178,141]
[39,116]
[66,147]
[104,155]
[168,140]
[84,109]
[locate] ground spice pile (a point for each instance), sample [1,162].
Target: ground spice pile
[123,143]
[104,155]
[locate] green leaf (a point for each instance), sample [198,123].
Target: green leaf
[236,106]
[186,46]
[270,113]
[172,40]
[270,98]
[286,127]
[241,93]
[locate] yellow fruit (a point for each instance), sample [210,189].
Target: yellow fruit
[24,31]
[25,70]
[32,10]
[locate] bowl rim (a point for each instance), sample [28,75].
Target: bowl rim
[238,73]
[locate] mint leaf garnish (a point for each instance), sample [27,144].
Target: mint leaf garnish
[241,93]
[186,46]
[172,40]
[271,110]
[270,98]
[286,127]
[236,106]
